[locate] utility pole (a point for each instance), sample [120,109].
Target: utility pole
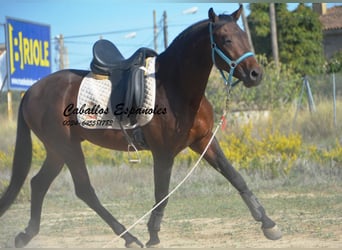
[155,31]
[63,59]
[165,30]
[274,35]
[61,51]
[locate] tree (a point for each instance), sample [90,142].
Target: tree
[300,41]
[259,24]
[299,36]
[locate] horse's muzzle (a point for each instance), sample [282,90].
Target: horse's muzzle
[253,78]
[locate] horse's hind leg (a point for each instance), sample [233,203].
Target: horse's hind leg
[84,190]
[217,159]
[40,183]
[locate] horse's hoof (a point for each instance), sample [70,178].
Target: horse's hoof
[272,233]
[153,244]
[21,240]
[134,244]
[158,245]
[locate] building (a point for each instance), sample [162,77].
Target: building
[331,20]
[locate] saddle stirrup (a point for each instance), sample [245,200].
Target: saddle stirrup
[130,146]
[130,152]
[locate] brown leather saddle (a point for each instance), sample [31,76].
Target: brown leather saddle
[126,75]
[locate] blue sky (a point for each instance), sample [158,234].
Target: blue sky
[120,18]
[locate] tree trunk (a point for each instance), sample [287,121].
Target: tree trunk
[246,27]
[274,35]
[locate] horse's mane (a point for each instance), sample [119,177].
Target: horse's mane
[186,34]
[189,31]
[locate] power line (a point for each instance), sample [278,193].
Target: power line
[107,33]
[160,28]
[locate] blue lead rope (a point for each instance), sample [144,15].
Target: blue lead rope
[232,64]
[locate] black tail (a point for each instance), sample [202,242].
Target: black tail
[21,162]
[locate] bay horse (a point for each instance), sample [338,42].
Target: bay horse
[182,72]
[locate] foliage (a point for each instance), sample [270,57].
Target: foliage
[259,24]
[299,36]
[300,41]
[5,160]
[277,89]
[334,64]
[324,155]
[270,152]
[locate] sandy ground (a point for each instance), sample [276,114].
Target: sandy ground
[192,233]
[309,218]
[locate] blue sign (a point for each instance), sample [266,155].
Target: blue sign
[29,52]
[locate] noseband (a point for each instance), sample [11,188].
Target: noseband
[232,63]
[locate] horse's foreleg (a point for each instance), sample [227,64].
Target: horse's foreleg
[216,158]
[40,184]
[85,192]
[162,174]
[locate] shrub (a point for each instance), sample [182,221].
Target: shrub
[268,151]
[277,89]
[334,64]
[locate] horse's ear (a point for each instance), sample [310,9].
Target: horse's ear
[212,15]
[236,14]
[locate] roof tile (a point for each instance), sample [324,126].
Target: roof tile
[332,19]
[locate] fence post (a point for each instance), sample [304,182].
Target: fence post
[312,106]
[334,100]
[9,105]
[298,106]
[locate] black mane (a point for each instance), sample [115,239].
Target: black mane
[186,34]
[194,28]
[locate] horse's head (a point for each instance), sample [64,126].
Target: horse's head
[231,49]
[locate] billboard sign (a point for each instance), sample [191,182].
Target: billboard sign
[28,52]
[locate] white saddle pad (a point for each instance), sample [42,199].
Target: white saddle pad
[93,102]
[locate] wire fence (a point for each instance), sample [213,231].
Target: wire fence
[324,86]
[327,87]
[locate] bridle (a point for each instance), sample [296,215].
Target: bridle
[232,63]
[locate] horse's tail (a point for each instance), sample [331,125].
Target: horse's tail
[21,162]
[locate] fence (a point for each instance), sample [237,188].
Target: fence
[322,87]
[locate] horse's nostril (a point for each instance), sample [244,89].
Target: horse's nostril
[255,74]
